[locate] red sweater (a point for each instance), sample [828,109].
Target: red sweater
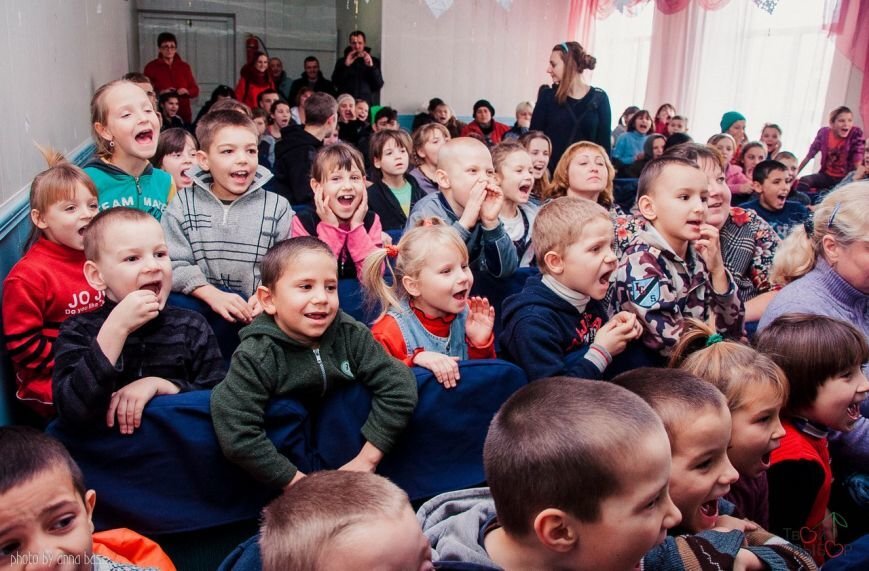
[176,76]
[388,334]
[797,445]
[43,289]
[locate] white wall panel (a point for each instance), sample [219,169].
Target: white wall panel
[55,54]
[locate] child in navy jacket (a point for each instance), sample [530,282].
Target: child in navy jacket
[557,324]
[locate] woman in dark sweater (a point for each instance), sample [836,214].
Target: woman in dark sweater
[572,110]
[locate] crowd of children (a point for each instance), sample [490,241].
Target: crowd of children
[658,429]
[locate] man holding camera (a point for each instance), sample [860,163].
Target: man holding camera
[358,73]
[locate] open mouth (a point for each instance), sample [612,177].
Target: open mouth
[853,412]
[709,513]
[765,459]
[461,295]
[695,224]
[240,176]
[345,199]
[153,287]
[317,316]
[525,188]
[186,177]
[145,137]
[605,278]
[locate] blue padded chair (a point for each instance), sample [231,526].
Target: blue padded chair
[170,476]
[442,448]
[245,557]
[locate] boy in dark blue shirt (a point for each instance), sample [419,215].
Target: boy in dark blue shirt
[771,204]
[557,324]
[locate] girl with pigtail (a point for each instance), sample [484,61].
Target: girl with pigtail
[428,318]
[756,390]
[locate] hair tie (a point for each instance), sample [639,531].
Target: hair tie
[392,251]
[564,47]
[809,226]
[713,339]
[833,215]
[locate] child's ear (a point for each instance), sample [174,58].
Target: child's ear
[90,501]
[756,186]
[556,530]
[36,218]
[646,207]
[264,295]
[102,131]
[554,262]
[376,162]
[94,277]
[316,186]
[202,159]
[411,286]
[443,178]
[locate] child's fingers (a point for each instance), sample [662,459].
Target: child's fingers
[113,407]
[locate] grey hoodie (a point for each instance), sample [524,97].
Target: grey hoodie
[223,244]
[452,523]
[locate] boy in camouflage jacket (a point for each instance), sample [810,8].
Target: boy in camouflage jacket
[674,269]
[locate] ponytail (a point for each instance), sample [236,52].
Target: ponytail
[408,258]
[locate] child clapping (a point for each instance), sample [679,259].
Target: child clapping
[429,319]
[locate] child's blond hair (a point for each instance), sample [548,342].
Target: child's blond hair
[842,215]
[409,258]
[560,223]
[732,367]
[561,177]
[502,150]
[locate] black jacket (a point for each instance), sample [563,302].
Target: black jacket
[382,201]
[321,85]
[294,157]
[359,80]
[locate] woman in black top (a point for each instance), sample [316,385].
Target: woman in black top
[572,110]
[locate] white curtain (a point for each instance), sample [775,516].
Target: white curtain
[772,68]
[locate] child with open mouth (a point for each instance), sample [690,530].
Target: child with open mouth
[756,389]
[429,319]
[514,173]
[341,217]
[698,423]
[125,129]
[823,359]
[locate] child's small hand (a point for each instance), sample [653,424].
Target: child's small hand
[255,307]
[747,561]
[493,200]
[616,333]
[471,213]
[708,246]
[230,306]
[727,523]
[323,211]
[135,310]
[709,249]
[366,461]
[358,217]
[444,367]
[481,320]
[129,402]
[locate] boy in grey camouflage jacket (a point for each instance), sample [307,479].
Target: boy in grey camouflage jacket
[674,268]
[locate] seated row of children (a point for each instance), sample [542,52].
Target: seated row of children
[655,469]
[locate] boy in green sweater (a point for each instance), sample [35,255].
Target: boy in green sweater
[302,346]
